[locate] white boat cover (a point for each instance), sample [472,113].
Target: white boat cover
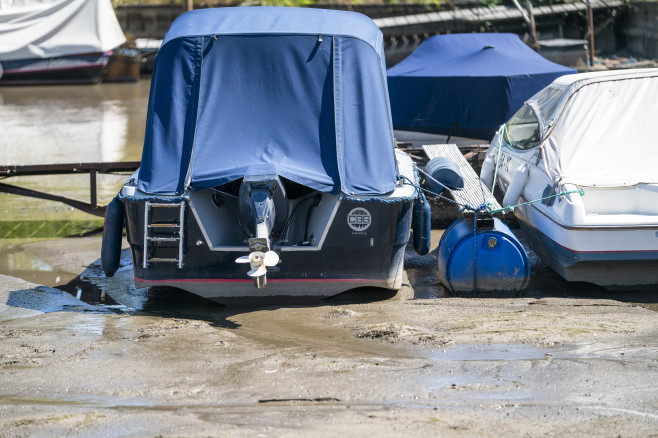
[600,129]
[50,28]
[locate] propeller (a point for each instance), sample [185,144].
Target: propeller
[259,262]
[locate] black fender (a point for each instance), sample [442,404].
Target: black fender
[422,225]
[112,235]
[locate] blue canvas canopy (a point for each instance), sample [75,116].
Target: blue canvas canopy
[466,85]
[269,90]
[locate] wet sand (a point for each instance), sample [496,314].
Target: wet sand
[556,360]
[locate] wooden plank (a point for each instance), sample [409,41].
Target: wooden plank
[474,193]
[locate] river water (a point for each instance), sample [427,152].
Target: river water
[66,124]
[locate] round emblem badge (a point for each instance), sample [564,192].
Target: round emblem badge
[359,219]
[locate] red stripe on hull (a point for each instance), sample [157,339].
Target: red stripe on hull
[273,280]
[24,71]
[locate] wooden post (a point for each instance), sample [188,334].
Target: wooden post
[529,18]
[590,26]
[533,28]
[188,5]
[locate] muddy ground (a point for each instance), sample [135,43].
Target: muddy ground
[556,360]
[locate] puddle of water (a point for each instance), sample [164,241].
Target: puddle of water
[119,291]
[88,292]
[17,261]
[47,300]
[79,400]
[523,352]
[89,325]
[422,271]
[506,352]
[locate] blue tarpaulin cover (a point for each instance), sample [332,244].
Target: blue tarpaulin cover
[269,90]
[466,85]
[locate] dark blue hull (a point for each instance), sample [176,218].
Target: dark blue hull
[345,259]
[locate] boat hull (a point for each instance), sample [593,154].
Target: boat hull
[64,70]
[343,260]
[603,256]
[122,68]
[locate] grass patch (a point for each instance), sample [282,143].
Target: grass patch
[49,228]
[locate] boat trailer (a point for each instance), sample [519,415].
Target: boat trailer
[93,169]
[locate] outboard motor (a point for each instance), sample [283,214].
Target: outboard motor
[264,211]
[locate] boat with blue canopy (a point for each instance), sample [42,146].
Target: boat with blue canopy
[268,160]
[466,85]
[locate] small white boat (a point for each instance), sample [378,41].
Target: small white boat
[45,42]
[592,139]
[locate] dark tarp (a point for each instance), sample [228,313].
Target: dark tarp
[264,90]
[466,85]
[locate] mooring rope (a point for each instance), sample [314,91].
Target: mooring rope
[475,253]
[512,207]
[427,175]
[488,207]
[484,207]
[436,195]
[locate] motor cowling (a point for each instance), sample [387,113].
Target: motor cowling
[263,206]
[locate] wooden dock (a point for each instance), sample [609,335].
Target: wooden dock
[474,193]
[428,22]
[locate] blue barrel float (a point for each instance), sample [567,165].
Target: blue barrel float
[502,263]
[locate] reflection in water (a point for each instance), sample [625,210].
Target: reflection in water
[67,124]
[72,124]
[17,261]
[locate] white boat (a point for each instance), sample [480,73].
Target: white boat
[56,41]
[593,138]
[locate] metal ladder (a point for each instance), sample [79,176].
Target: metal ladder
[176,237]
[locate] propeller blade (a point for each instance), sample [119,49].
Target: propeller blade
[271,258]
[242,259]
[261,270]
